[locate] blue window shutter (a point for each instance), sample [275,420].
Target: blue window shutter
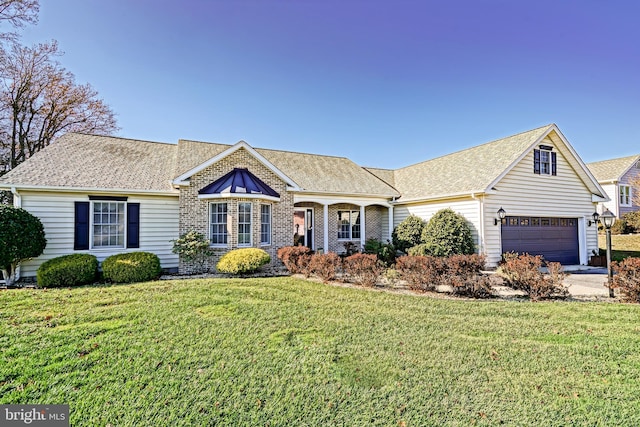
[536,161]
[554,168]
[81,226]
[133,225]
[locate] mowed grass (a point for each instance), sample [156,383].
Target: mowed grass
[622,245]
[283,351]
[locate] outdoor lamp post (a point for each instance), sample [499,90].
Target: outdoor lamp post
[607,219]
[501,214]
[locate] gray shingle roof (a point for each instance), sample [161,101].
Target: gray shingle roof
[613,169]
[466,171]
[312,172]
[90,161]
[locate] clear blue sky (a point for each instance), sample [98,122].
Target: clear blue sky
[385,83]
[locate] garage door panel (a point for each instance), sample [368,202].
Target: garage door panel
[556,240]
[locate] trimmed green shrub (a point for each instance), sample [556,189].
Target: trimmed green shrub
[627,278]
[419,250]
[21,238]
[131,267]
[522,272]
[447,233]
[245,260]
[68,270]
[408,233]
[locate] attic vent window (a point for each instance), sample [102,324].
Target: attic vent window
[544,162]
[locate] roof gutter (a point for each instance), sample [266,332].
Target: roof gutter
[472,194]
[88,190]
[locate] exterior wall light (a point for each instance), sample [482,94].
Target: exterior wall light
[501,214]
[595,216]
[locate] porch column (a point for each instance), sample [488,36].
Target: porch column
[363,227]
[325,228]
[390,223]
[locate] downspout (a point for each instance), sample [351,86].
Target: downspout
[480,200]
[17,202]
[17,199]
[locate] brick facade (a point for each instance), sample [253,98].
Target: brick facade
[194,213]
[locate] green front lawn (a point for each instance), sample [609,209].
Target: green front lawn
[288,352]
[622,245]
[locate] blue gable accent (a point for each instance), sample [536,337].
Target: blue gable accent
[239,181]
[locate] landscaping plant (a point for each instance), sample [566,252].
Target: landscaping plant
[68,270]
[363,269]
[21,238]
[295,258]
[325,266]
[447,233]
[408,233]
[627,278]
[193,247]
[131,267]
[242,261]
[523,272]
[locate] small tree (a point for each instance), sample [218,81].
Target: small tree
[447,233]
[21,238]
[408,233]
[193,247]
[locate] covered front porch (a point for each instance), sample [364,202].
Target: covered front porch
[332,224]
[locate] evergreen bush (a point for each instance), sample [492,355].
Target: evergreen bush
[131,267]
[447,233]
[68,270]
[408,233]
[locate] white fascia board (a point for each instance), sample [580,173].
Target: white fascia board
[240,144]
[238,196]
[470,194]
[58,189]
[598,199]
[332,199]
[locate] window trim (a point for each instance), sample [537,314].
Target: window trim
[551,163]
[250,223]
[92,245]
[269,224]
[351,226]
[628,196]
[226,225]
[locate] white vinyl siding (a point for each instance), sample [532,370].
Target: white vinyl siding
[521,193]
[158,226]
[467,207]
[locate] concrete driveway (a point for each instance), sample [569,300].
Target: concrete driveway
[586,281]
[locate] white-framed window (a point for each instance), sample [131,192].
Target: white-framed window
[545,161]
[265,225]
[348,225]
[218,234]
[244,224]
[625,195]
[108,220]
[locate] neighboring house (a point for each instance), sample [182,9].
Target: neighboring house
[616,176]
[105,195]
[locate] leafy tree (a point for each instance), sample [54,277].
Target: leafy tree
[39,99]
[408,233]
[21,238]
[447,233]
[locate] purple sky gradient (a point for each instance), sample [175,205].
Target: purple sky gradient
[384,83]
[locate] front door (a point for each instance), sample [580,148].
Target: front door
[303,227]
